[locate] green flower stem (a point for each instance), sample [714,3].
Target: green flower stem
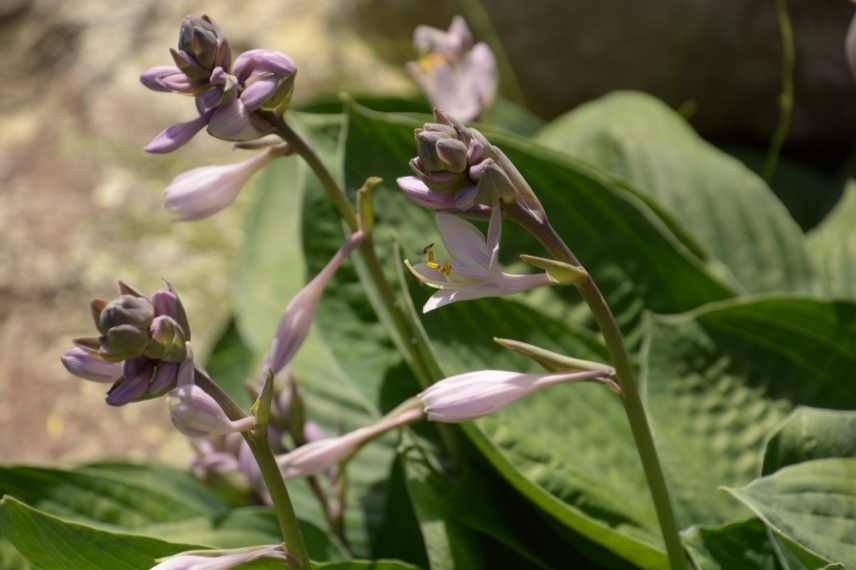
[639,424]
[258,443]
[405,330]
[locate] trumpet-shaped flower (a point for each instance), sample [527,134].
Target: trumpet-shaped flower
[474,270]
[472,395]
[221,559]
[457,75]
[323,454]
[297,318]
[204,191]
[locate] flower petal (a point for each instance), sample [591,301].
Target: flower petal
[176,135]
[465,243]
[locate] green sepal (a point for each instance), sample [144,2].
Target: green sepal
[560,272]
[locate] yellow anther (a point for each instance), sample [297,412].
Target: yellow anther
[445,268]
[431,61]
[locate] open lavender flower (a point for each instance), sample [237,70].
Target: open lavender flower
[221,559]
[143,340]
[228,95]
[458,75]
[465,397]
[474,270]
[456,167]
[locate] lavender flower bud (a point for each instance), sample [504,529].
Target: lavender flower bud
[167,78]
[323,454]
[204,191]
[176,135]
[465,397]
[167,303]
[136,375]
[203,40]
[298,316]
[221,559]
[85,364]
[168,342]
[235,122]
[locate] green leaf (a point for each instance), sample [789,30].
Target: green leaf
[723,205]
[100,498]
[811,433]
[10,558]
[736,546]
[52,543]
[720,380]
[833,247]
[812,505]
[231,363]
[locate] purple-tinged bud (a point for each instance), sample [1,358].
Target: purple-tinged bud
[196,414]
[453,154]
[167,78]
[465,397]
[297,319]
[167,303]
[268,78]
[256,60]
[136,375]
[221,559]
[189,66]
[235,122]
[126,310]
[323,454]
[176,135]
[254,95]
[168,342]
[84,364]
[165,379]
[417,191]
[202,192]
[203,40]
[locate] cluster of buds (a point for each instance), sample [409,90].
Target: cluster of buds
[458,75]
[229,95]
[457,169]
[143,342]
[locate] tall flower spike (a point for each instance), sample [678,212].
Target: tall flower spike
[474,271]
[323,454]
[204,191]
[221,559]
[195,413]
[457,76]
[297,318]
[472,395]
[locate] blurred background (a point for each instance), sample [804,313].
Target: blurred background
[81,201]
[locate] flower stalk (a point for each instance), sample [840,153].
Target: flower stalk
[258,443]
[544,232]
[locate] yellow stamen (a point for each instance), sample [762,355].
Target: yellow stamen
[431,61]
[445,268]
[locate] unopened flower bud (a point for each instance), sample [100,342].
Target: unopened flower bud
[268,78]
[167,303]
[126,310]
[137,373]
[85,364]
[221,559]
[168,342]
[202,192]
[203,40]
[465,397]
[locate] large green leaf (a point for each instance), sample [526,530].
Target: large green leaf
[720,380]
[722,204]
[812,505]
[736,546]
[811,433]
[833,247]
[52,543]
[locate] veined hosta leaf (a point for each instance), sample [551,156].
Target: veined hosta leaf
[832,246]
[726,208]
[811,433]
[720,380]
[812,506]
[51,543]
[736,546]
